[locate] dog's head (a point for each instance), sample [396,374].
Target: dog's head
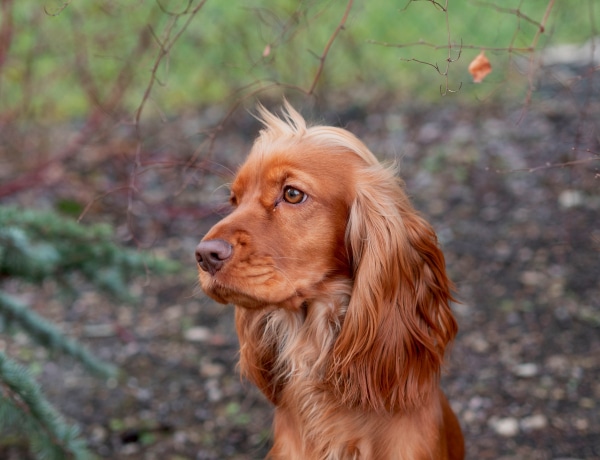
[285,239]
[313,206]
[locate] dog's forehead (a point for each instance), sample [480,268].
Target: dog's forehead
[311,166]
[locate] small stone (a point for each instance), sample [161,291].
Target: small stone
[558,363]
[143,394]
[197,334]
[507,427]
[476,402]
[582,424]
[477,343]
[429,132]
[173,313]
[532,278]
[526,370]
[208,369]
[570,198]
[99,330]
[534,422]
[180,438]
[213,390]
[557,394]
[98,433]
[469,416]
[587,403]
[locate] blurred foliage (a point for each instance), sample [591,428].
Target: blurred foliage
[24,409]
[36,246]
[66,57]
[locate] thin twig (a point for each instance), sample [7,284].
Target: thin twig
[449,59]
[513,11]
[450,46]
[58,10]
[6,29]
[323,56]
[165,46]
[550,166]
[534,60]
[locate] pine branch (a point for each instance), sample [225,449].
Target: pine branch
[46,334]
[37,245]
[23,405]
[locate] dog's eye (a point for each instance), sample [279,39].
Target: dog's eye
[233,200]
[293,195]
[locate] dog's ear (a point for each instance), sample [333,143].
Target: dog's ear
[398,322]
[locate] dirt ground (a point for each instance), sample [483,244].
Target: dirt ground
[522,241]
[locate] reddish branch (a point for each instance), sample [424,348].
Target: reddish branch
[510,49]
[166,43]
[593,158]
[323,56]
[533,60]
[6,29]
[243,95]
[40,175]
[542,24]
[517,12]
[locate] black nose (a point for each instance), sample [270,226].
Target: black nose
[212,254]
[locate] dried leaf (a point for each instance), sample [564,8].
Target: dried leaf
[480,67]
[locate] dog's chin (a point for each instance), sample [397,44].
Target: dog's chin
[229,295]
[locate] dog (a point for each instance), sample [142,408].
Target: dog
[342,302]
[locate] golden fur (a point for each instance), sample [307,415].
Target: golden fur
[342,299]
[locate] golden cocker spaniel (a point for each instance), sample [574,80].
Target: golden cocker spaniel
[341,298]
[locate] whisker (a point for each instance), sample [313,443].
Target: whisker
[286,278]
[286,258]
[257,275]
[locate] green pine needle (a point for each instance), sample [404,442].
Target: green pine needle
[36,246]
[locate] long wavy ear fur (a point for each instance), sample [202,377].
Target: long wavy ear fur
[390,349]
[258,351]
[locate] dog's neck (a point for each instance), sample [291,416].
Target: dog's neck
[306,335]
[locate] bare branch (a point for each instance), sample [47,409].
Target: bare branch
[58,10]
[323,56]
[515,12]
[6,29]
[561,165]
[170,13]
[509,49]
[433,2]
[40,175]
[165,47]
[165,43]
[535,60]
